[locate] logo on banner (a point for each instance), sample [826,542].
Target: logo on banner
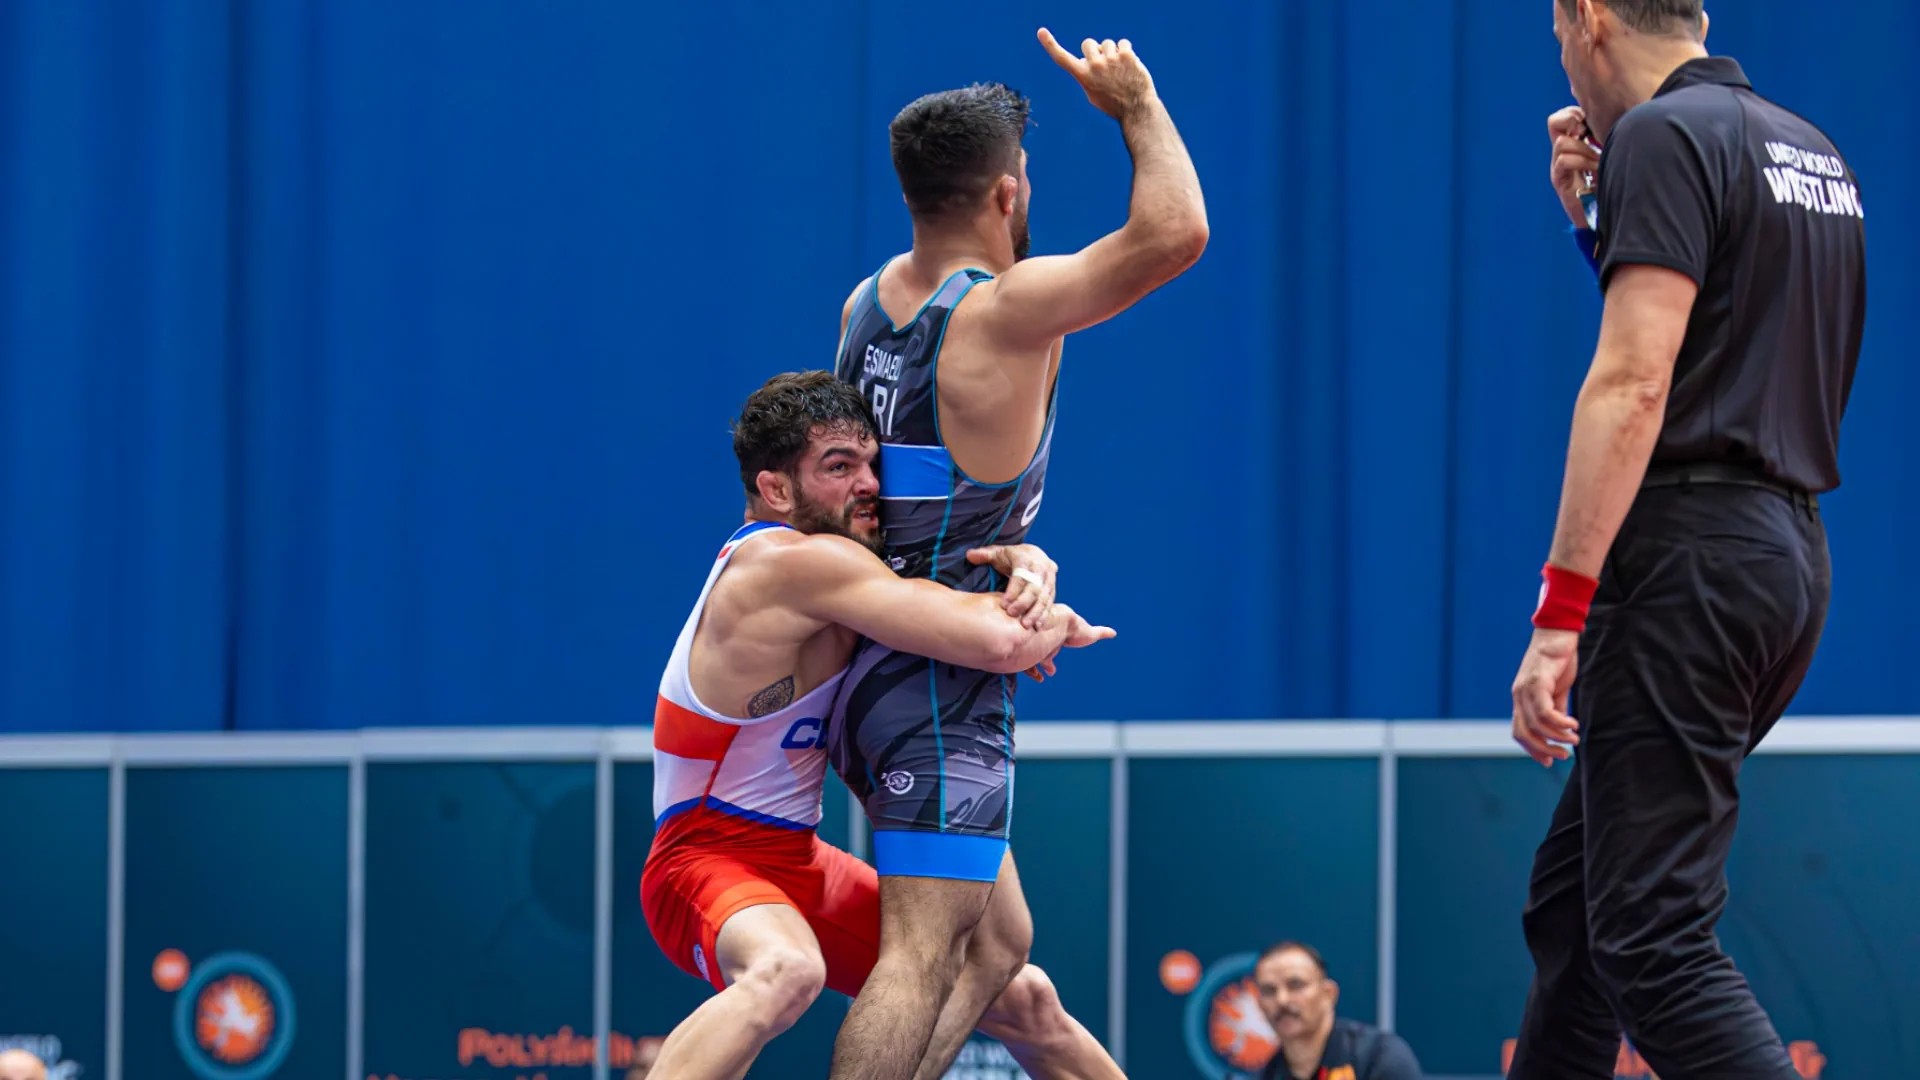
[233,1018]
[47,1049]
[1227,1035]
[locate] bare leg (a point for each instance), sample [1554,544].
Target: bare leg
[773,970]
[996,951]
[1030,1022]
[1013,1001]
[924,926]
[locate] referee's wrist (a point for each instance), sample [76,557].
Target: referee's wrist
[1566,596]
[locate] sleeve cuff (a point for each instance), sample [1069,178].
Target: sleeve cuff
[1617,259]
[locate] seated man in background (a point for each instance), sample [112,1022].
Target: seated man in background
[1299,1001]
[20,1065]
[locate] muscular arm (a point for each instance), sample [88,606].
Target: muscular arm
[1660,199]
[835,580]
[1044,298]
[1617,419]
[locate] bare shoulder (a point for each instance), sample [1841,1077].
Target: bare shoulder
[988,335]
[998,309]
[846,309]
[784,576]
[785,559]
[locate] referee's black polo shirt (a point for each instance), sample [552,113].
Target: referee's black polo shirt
[1756,206]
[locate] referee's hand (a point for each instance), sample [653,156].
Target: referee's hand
[1540,696]
[1574,161]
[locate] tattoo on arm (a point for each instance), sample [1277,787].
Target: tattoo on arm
[772,699]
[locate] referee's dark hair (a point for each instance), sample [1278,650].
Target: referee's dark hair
[1302,948]
[1669,17]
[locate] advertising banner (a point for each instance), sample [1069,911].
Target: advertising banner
[236,923]
[53,998]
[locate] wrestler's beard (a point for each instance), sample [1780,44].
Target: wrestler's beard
[1022,243]
[810,516]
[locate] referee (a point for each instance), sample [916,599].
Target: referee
[1688,578]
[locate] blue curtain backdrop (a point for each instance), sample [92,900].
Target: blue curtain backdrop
[368,364]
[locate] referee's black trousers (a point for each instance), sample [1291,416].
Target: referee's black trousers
[1710,607]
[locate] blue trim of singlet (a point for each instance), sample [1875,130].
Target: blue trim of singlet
[752,527]
[946,514]
[753,815]
[727,808]
[933,685]
[1053,405]
[924,305]
[955,856]
[1006,695]
[933,363]
[676,810]
[1004,518]
[1006,736]
[915,472]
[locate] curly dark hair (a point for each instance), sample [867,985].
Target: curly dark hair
[780,419]
[951,147]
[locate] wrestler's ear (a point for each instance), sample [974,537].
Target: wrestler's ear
[777,490]
[1006,196]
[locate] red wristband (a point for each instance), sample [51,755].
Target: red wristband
[1564,599]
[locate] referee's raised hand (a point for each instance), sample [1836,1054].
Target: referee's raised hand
[1540,690]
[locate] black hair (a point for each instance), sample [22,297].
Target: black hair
[950,148]
[779,419]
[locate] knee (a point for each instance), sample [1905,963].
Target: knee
[1640,970]
[1028,1012]
[784,982]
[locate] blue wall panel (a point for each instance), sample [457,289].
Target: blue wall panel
[478,907]
[1821,879]
[1467,833]
[1823,875]
[479,918]
[370,364]
[1225,858]
[1063,849]
[239,875]
[54,933]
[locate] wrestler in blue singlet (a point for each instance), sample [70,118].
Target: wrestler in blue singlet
[928,747]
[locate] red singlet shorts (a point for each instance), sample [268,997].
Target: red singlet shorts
[690,889]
